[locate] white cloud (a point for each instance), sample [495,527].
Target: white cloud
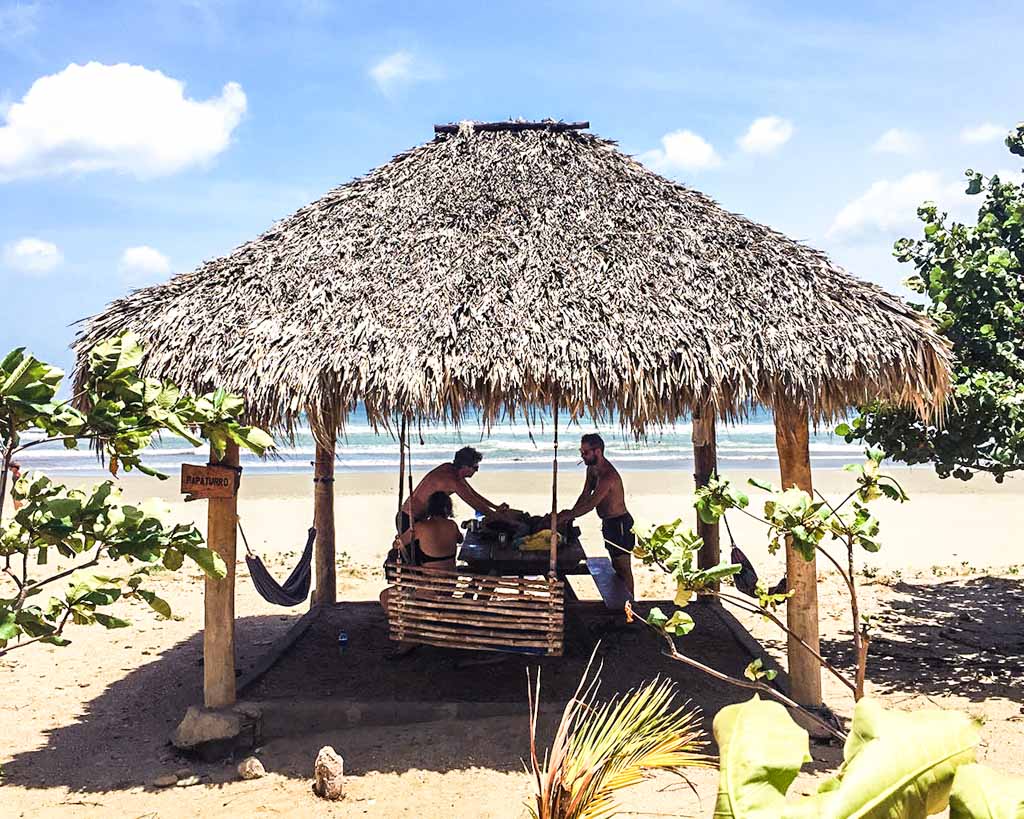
[682,151]
[114,117]
[891,205]
[144,264]
[766,135]
[896,141]
[35,257]
[986,132]
[401,68]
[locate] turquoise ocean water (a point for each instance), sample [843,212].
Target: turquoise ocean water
[508,445]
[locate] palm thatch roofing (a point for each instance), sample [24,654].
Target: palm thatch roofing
[498,269]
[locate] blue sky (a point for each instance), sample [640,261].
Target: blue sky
[139,138]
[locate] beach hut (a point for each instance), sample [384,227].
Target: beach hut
[513,266]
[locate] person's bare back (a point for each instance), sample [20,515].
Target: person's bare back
[452,479]
[437,538]
[441,478]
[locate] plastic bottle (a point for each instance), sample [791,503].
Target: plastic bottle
[342,641]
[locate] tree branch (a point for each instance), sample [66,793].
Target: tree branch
[751,608]
[67,572]
[673,653]
[57,633]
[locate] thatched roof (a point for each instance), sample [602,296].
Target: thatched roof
[499,269]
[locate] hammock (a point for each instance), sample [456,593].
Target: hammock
[295,589]
[745,580]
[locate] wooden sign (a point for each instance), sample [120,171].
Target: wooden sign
[208,481]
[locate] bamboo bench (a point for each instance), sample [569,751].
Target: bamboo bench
[476,612]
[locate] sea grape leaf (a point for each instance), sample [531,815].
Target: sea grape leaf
[982,793]
[898,765]
[761,751]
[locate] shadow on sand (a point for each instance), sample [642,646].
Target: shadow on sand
[960,638]
[121,741]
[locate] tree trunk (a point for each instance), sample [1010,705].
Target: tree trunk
[705,465]
[323,519]
[791,440]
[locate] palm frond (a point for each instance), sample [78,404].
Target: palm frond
[600,748]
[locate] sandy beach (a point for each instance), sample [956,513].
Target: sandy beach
[952,552]
[945,522]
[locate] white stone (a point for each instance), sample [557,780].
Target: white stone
[329,774]
[251,768]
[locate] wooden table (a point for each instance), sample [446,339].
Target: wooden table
[482,553]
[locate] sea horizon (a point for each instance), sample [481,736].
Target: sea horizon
[509,445]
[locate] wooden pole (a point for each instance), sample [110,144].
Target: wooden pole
[401,475]
[413,556]
[323,520]
[219,598]
[791,440]
[553,558]
[705,465]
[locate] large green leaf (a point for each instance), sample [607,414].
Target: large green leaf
[761,750]
[982,793]
[898,765]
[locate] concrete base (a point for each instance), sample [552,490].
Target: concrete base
[211,734]
[298,717]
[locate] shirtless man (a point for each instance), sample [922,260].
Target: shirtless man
[450,478]
[603,491]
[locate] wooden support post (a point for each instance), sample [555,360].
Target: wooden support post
[553,551]
[323,519]
[219,599]
[791,440]
[705,465]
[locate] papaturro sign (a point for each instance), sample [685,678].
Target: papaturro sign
[208,481]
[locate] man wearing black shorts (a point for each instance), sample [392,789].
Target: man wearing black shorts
[604,492]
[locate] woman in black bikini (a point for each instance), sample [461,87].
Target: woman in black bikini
[437,539]
[437,535]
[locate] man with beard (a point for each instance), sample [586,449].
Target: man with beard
[604,492]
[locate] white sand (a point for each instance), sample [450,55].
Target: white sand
[946,522]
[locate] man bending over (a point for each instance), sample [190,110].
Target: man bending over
[604,492]
[450,478]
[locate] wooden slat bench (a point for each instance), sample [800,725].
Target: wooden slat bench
[612,587]
[476,612]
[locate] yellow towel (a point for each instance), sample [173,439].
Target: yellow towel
[537,542]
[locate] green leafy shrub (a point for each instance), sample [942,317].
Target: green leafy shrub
[118,413]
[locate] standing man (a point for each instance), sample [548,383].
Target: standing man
[603,491]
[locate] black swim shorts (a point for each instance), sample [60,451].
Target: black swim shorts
[618,535]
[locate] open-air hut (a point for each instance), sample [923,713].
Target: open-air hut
[505,267]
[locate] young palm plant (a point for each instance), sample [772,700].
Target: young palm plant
[600,748]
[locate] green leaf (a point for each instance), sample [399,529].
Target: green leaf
[761,750]
[656,617]
[765,485]
[899,764]
[209,561]
[107,621]
[982,793]
[173,559]
[158,604]
[680,624]
[8,626]
[756,671]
